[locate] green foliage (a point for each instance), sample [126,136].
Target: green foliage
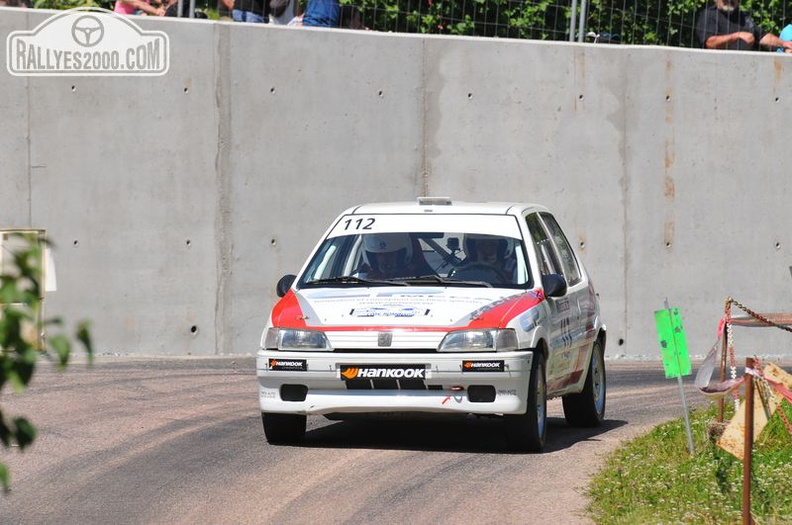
[542,19]
[648,22]
[21,329]
[71,4]
[642,22]
[653,479]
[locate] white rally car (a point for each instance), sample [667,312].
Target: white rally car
[436,306]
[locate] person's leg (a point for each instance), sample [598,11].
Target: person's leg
[247,16]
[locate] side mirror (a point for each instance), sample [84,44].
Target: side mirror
[285,282]
[554,285]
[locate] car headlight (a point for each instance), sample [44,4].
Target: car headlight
[492,340]
[292,339]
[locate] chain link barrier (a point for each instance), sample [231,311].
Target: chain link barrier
[730,301]
[730,347]
[765,388]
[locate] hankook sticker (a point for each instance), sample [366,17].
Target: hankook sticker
[351,372]
[288,364]
[483,366]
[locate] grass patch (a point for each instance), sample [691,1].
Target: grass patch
[653,479]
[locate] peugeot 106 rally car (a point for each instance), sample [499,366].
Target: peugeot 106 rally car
[439,307]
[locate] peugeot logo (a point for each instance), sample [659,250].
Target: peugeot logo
[384,338]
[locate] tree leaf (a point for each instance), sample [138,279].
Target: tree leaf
[60,344]
[5,432]
[5,478]
[21,329]
[15,379]
[25,432]
[84,336]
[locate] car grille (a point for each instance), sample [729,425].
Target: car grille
[386,384]
[385,341]
[385,350]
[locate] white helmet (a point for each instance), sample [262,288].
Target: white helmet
[505,245]
[374,243]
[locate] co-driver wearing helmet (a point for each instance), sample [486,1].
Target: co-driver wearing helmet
[492,251]
[390,255]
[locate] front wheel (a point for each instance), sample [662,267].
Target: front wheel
[526,432]
[283,429]
[587,409]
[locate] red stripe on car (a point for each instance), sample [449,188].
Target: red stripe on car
[499,313]
[287,312]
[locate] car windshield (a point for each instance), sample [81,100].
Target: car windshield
[442,250]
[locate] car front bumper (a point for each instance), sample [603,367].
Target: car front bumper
[312,382]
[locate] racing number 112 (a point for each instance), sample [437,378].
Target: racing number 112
[360,224]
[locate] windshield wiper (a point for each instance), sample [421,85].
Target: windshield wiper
[351,279]
[432,279]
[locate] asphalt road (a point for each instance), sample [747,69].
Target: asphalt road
[180,441]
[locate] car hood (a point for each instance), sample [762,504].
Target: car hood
[402,307]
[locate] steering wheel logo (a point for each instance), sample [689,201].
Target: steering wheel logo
[87,31]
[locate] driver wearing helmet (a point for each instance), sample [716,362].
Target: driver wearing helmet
[491,250]
[391,255]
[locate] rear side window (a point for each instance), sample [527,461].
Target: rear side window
[548,261]
[567,256]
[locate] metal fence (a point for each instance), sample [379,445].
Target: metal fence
[637,22]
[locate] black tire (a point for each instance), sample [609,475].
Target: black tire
[526,432]
[283,429]
[587,409]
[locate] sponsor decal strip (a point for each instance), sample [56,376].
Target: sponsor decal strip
[288,364]
[571,379]
[288,314]
[352,372]
[483,366]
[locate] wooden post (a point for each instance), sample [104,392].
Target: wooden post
[748,444]
[724,351]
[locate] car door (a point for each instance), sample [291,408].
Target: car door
[556,257]
[578,292]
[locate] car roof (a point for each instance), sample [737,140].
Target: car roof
[445,205]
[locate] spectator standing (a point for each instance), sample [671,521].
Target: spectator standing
[254,11]
[786,34]
[297,20]
[282,11]
[350,18]
[724,26]
[322,13]
[172,9]
[138,7]
[224,8]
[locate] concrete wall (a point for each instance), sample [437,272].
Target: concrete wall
[176,202]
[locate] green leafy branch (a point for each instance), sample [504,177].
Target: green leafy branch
[24,335]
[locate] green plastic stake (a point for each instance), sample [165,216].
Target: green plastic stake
[676,360]
[671,334]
